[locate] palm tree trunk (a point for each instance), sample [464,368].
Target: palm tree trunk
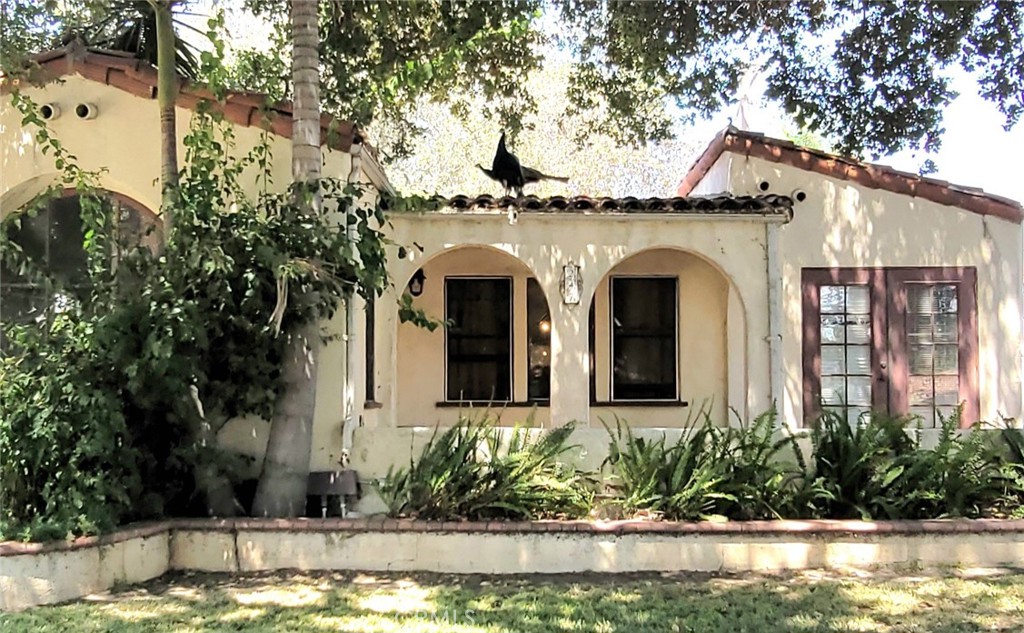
[167,95]
[282,486]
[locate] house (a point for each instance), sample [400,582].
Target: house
[777,274]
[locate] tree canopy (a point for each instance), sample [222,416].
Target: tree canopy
[870,77]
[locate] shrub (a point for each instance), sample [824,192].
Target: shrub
[111,407]
[737,473]
[472,471]
[879,470]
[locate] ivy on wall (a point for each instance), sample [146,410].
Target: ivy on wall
[111,402]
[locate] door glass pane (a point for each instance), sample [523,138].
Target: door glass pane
[832,361]
[858,360]
[934,355]
[833,390]
[858,329]
[858,390]
[832,328]
[947,390]
[832,299]
[857,301]
[846,349]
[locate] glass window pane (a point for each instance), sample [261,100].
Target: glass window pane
[926,414]
[921,359]
[920,299]
[858,360]
[858,329]
[859,416]
[479,339]
[944,413]
[946,328]
[858,390]
[945,299]
[644,338]
[919,327]
[833,390]
[920,390]
[832,329]
[832,299]
[832,360]
[857,300]
[538,323]
[947,390]
[946,359]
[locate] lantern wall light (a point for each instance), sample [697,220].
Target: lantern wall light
[417,282]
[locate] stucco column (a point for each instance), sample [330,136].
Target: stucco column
[773,268]
[570,366]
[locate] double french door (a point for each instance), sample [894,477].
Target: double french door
[893,340]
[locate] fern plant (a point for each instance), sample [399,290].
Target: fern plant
[472,471]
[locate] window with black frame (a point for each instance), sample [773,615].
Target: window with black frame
[644,333]
[52,239]
[479,338]
[538,343]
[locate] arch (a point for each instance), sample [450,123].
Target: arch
[16,197]
[409,266]
[708,332]
[618,259]
[434,370]
[55,240]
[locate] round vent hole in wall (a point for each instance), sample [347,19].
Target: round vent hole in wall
[763,186]
[49,111]
[85,111]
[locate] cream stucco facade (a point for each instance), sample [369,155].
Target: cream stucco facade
[844,224]
[737,327]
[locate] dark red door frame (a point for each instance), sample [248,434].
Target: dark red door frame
[887,288]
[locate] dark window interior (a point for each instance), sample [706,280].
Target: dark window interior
[368,345]
[52,240]
[538,342]
[479,339]
[644,338]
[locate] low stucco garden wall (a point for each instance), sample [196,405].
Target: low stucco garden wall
[33,574]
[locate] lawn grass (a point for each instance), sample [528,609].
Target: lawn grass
[364,603]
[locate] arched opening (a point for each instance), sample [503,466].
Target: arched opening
[663,324]
[496,348]
[53,241]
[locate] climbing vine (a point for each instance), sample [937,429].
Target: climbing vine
[110,403]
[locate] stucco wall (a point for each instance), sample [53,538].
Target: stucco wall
[843,224]
[723,305]
[123,142]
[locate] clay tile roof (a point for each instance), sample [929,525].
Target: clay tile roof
[125,72]
[769,205]
[870,175]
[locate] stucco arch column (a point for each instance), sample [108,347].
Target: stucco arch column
[570,338]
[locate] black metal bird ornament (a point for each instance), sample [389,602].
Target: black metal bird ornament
[505,168]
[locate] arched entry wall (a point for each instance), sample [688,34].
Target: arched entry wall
[496,289]
[677,320]
[545,243]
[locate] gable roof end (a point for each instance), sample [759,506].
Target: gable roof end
[869,175]
[125,72]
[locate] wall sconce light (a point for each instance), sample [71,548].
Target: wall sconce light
[572,284]
[416,283]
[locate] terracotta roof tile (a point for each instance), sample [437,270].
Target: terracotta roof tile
[762,205]
[125,72]
[869,175]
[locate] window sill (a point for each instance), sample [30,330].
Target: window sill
[495,404]
[640,403]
